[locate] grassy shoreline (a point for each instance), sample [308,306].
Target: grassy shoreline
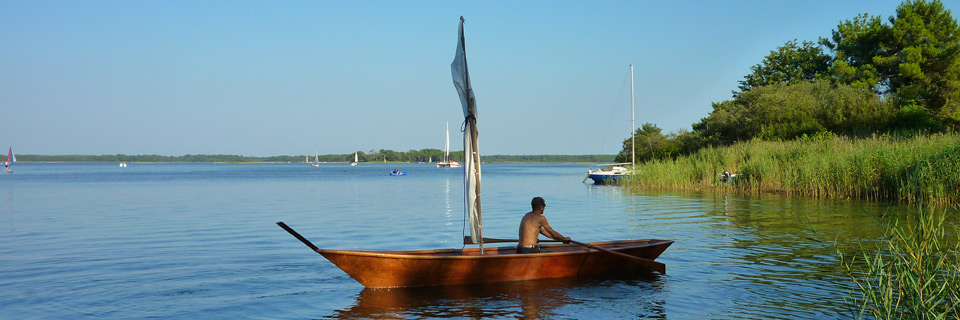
[921,169]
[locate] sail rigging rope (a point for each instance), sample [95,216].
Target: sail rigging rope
[466,198]
[614,114]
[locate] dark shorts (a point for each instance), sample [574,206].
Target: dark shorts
[529,249]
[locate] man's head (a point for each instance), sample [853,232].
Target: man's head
[537,203]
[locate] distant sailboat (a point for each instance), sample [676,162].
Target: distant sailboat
[123,164]
[316,160]
[11,158]
[446,163]
[355,159]
[617,172]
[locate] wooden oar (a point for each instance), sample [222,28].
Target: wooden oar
[652,265]
[297,235]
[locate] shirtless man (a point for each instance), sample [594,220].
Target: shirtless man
[532,225]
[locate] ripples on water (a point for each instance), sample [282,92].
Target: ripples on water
[199,241]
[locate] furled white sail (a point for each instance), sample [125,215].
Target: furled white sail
[446,147]
[471,150]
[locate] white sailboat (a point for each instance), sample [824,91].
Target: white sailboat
[316,160]
[11,158]
[355,159]
[616,173]
[446,163]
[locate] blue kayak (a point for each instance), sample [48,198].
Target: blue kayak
[401,173]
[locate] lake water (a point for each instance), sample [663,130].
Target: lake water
[199,241]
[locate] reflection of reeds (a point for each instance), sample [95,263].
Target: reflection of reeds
[923,169]
[913,274]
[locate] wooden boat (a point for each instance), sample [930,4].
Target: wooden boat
[383,269]
[442,267]
[378,269]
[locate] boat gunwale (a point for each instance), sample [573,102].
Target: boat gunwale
[442,254]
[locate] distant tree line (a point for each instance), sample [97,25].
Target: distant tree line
[413,156]
[900,76]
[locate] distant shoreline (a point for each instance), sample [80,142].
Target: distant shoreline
[423,156]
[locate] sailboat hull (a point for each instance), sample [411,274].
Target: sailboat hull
[451,164]
[382,269]
[602,178]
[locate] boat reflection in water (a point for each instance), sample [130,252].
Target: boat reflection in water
[536,299]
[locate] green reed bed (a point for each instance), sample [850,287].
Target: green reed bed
[923,169]
[913,274]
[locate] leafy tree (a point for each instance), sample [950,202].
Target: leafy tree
[923,59]
[787,111]
[790,63]
[915,58]
[651,143]
[855,43]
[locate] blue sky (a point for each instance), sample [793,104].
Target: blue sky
[294,77]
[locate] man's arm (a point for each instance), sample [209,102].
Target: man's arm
[546,230]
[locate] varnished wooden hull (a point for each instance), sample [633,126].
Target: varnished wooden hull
[380,269]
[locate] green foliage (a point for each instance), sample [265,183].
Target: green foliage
[855,43]
[915,58]
[923,60]
[650,143]
[914,118]
[920,169]
[787,111]
[790,63]
[913,274]
[900,77]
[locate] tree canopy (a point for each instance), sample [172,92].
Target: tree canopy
[790,63]
[915,58]
[899,75]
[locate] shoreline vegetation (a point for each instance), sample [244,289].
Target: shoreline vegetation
[413,156]
[916,170]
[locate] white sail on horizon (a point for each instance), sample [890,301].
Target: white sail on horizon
[446,147]
[471,150]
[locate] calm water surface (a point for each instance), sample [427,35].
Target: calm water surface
[200,241]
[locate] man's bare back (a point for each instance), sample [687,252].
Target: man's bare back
[533,224]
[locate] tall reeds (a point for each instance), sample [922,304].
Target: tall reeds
[913,274]
[922,169]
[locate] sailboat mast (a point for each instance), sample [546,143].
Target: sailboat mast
[471,150]
[446,147]
[633,124]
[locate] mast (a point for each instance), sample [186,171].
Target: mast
[471,149]
[446,147]
[633,124]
